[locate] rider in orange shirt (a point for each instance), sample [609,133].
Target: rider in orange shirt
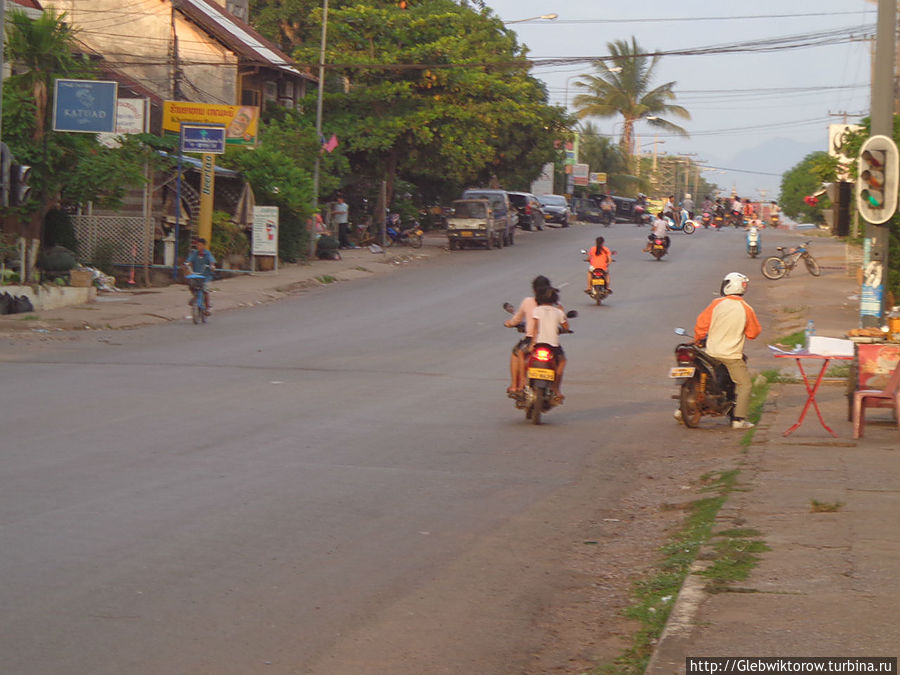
[599,258]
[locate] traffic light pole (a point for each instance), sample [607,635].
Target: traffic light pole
[875,244]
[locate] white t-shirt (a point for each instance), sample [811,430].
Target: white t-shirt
[659,227]
[549,320]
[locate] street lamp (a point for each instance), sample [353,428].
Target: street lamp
[542,17]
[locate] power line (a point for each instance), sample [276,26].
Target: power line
[711,18]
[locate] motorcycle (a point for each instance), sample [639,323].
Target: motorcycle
[540,374]
[599,283]
[774,220]
[704,385]
[658,248]
[706,219]
[686,225]
[754,242]
[641,215]
[396,234]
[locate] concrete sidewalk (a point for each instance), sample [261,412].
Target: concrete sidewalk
[146,306]
[830,585]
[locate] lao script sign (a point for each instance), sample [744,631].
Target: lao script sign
[265,230]
[205,138]
[84,106]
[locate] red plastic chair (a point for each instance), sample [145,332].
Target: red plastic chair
[872,398]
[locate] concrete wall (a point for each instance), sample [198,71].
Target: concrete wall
[136,38]
[53,297]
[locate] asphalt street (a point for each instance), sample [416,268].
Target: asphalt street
[336,482]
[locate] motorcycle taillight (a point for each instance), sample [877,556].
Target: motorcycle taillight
[528,209]
[684,355]
[542,354]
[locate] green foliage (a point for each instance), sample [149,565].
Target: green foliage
[103,256]
[228,238]
[431,126]
[800,181]
[59,230]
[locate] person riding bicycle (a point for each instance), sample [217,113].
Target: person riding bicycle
[599,257]
[201,261]
[608,207]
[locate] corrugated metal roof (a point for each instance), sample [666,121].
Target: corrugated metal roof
[236,34]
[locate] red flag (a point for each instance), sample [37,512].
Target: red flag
[331,144]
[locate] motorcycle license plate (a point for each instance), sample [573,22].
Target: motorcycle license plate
[547,216]
[541,374]
[419,232]
[682,371]
[598,282]
[466,233]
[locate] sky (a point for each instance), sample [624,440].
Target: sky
[753,112]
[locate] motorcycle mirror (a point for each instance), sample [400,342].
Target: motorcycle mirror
[509,308]
[583,251]
[571,314]
[680,331]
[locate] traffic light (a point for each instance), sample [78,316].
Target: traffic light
[876,187]
[19,189]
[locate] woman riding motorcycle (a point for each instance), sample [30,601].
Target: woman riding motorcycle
[599,257]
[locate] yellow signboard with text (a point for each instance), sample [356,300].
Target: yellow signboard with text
[241,121]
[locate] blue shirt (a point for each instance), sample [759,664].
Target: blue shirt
[201,263]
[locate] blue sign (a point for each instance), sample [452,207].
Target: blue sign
[206,138]
[84,106]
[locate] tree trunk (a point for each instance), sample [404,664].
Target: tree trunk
[385,197]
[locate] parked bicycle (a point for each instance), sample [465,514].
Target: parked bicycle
[778,266]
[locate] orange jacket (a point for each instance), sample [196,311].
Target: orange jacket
[725,323]
[601,260]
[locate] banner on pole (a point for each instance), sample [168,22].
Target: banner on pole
[241,122]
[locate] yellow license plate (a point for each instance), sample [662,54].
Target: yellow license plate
[598,282]
[541,374]
[547,216]
[466,233]
[685,371]
[419,232]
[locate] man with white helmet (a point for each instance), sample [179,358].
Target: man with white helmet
[725,324]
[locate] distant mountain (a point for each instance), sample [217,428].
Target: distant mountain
[774,156]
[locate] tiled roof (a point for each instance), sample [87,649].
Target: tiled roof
[31,4]
[237,35]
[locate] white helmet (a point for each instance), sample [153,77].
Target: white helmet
[734,283]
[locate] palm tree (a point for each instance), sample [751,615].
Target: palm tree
[623,88]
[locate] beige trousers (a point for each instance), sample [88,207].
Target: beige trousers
[743,385]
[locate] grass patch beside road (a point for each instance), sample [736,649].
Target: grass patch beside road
[655,596]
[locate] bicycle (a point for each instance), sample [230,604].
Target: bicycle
[778,266]
[196,282]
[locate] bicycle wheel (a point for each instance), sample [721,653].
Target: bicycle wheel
[196,310]
[773,268]
[811,265]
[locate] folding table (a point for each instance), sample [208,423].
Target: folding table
[812,390]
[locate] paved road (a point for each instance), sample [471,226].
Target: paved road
[335,483]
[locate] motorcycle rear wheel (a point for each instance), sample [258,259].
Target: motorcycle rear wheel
[690,411]
[415,240]
[537,406]
[688,228]
[774,268]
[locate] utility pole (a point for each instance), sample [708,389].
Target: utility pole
[321,93]
[875,244]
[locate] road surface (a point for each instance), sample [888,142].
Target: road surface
[335,483]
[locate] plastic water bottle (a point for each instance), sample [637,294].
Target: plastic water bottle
[810,331]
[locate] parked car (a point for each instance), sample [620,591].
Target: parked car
[471,222]
[586,209]
[556,209]
[505,216]
[531,213]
